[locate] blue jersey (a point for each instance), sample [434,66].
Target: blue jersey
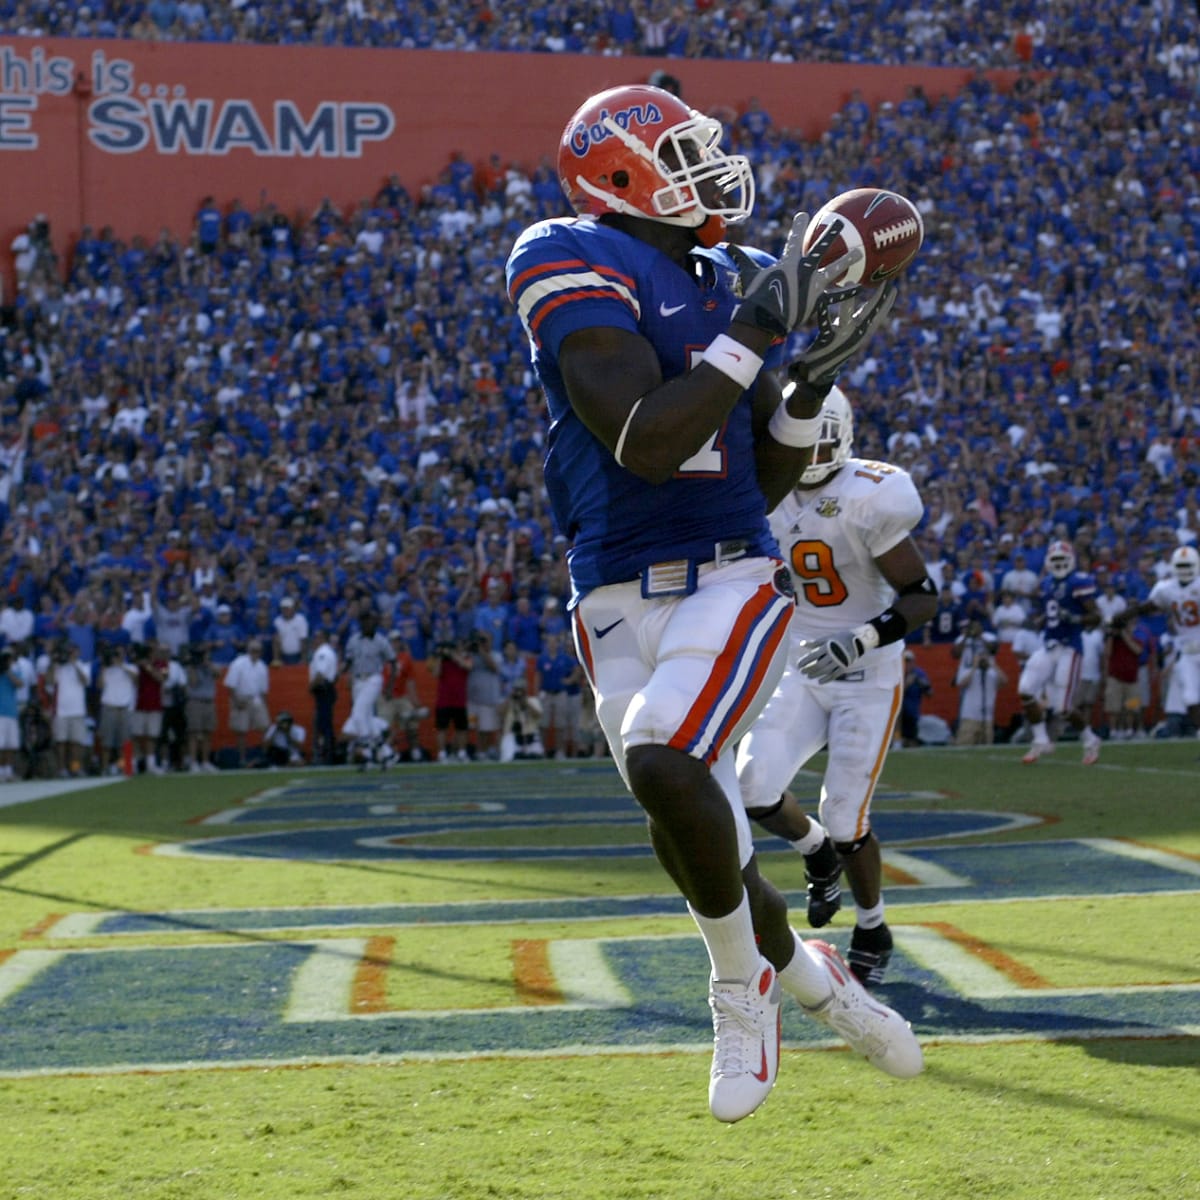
[554,670]
[1063,603]
[571,274]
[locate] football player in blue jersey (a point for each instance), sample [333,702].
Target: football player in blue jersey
[1065,606]
[668,442]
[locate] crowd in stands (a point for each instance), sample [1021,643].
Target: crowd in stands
[335,407]
[1052,34]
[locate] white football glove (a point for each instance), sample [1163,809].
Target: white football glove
[831,658]
[778,298]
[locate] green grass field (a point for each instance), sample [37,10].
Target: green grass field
[472,982]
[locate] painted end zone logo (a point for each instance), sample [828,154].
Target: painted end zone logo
[232,987]
[411,816]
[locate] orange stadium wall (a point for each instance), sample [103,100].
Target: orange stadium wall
[135,134]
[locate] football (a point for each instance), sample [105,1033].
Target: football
[887,227]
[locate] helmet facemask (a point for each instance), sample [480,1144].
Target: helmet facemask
[1060,560]
[1185,564]
[834,442]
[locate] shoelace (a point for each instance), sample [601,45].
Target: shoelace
[732,1044]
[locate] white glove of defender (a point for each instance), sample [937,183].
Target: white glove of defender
[831,658]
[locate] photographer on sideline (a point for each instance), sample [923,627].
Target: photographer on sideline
[283,742]
[978,680]
[521,723]
[118,691]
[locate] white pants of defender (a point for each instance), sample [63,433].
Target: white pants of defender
[1051,676]
[692,672]
[1183,683]
[855,719]
[363,694]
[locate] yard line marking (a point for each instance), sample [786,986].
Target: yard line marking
[590,981]
[23,967]
[911,870]
[970,966]
[1142,853]
[323,985]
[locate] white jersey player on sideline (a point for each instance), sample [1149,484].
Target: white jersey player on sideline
[1179,597]
[367,651]
[861,586]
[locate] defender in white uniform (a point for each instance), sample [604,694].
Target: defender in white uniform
[861,586]
[1179,597]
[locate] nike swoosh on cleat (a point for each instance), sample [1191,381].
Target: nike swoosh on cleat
[607,629]
[763,1071]
[665,310]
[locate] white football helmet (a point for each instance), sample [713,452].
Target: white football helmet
[1185,564]
[834,441]
[1060,559]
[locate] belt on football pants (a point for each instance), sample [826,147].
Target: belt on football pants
[678,576]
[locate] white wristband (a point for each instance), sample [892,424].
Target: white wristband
[787,430]
[868,635]
[733,359]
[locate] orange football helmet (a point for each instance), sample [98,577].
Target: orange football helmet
[641,151]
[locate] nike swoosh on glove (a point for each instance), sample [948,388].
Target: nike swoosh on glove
[778,298]
[831,658]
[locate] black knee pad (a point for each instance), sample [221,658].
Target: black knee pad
[757,814]
[845,849]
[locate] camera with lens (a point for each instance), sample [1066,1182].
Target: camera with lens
[141,652]
[1117,622]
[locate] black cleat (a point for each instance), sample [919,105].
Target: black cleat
[870,953]
[823,872]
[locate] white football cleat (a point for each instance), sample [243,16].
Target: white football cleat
[880,1034]
[746,1033]
[1091,747]
[1036,750]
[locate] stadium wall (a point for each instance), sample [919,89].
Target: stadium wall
[134,134]
[289,690]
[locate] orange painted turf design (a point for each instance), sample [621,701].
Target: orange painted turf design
[368,993]
[532,975]
[43,926]
[1020,974]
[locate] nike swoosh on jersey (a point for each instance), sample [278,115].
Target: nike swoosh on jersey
[665,310]
[607,629]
